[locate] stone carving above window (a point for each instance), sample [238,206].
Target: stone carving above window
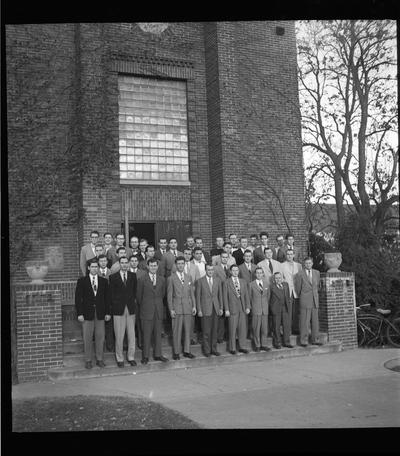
[155,28]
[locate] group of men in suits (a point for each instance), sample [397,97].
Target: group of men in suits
[239,290]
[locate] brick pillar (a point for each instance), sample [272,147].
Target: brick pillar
[337,313]
[39,331]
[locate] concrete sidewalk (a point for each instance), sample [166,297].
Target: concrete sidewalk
[345,389]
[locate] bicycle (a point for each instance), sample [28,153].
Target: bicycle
[376,327]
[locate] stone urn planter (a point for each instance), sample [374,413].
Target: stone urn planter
[37,270]
[332,261]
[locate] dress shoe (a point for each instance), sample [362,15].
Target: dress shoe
[207,355]
[100,364]
[288,345]
[216,353]
[120,363]
[88,365]
[220,341]
[232,352]
[257,349]
[161,358]
[145,360]
[188,355]
[243,350]
[317,343]
[277,346]
[176,357]
[132,362]
[193,342]
[267,349]
[303,345]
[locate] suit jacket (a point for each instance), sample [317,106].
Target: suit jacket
[205,299]
[238,255]
[258,254]
[193,271]
[276,266]
[123,295]
[307,292]
[86,302]
[258,300]
[180,296]
[207,257]
[150,298]
[289,274]
[86,255]
[278,254]
[231,301]
[245,274]
[140,274]
[279,298]
[220,272]
[158,256]
[108,273]
[166,263]
[113,256]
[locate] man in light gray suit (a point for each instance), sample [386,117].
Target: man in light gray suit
[88,251]
[307,283]
[182,306]
[259,296]
[209,302]
[222,271]
[237,306]
[289,270]
[269,265]
[168,259]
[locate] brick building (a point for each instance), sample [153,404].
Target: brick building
[154,129]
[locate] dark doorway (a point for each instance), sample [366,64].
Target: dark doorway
[142,230]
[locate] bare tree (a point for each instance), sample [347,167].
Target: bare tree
[349,111]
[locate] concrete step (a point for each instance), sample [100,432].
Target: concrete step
[75,346]
[74,364]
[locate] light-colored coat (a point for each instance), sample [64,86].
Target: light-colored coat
[219,272]
[86,255]
[245,274]
[217,260]
[231,301]
[307,292]
[205,300]
[289,272]
[193,271]
[258,300]
[180,295]
[276,266]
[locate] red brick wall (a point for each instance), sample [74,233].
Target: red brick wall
[337,313]
[39,331]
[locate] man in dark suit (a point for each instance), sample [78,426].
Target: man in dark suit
[140,274]
[277,253]
[182,306]
[223,272]
[238,254]
[142,250]
[150,292]
[92,302]
[258,254]
[237,306]
[168,259]
[279,306]
[104,271]
[289,246]
[259,310]
[210,306]
[307,283]
[123,308]
[150,253]
[162,249]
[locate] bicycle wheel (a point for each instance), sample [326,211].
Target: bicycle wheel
[360,333]
[372,326]
[393,331]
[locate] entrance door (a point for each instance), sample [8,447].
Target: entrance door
[141,230]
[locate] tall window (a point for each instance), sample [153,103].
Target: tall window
[153,141]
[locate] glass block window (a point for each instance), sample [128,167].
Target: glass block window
[153,140]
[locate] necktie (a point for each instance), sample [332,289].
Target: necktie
[103,272]
[153,278]
[226,271]
[94,286]
[309,276]
[125,278]
[174,252]
[182,279]
[270,267]
[261,287]
[187,268]
[237,286]
[249,267]
[210,283]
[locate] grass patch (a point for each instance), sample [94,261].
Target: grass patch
[94,413]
